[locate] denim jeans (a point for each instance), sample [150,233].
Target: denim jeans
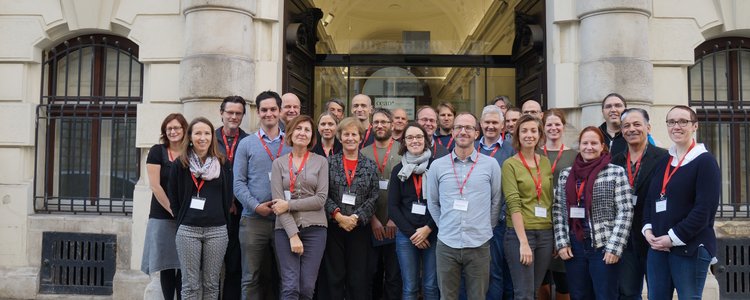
[501,286]
[588,276]
[667,271]
[409,259]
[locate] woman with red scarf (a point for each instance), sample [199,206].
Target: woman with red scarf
[592,215]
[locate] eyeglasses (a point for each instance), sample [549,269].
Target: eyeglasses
[426,120]
[175,129]
[468,128]
[682,123]
[413,137]
[376,123]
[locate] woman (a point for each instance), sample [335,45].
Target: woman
[527,185]
[352,193]
[417,233]
[199,196]
[159,250]
[561,157]
[678,216]
[329,145]
[592,214]
[299,184]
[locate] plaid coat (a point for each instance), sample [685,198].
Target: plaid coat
[611,211]
[365,186]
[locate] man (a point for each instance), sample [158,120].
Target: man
[336,107]
[464,199]
[612,107]
[503,102]
[362,109]
[511,117]
[400,119]
[446,114]
[384,262]
[532,107]
[494,145]
[232,110]
[290,108]
[427,118]
[251,181]
[638,160]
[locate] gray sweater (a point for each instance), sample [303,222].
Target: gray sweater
[307,206]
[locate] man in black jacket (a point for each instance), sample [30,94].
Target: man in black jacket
[638,160]
[612,107]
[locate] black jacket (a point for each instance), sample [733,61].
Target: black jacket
[181,190]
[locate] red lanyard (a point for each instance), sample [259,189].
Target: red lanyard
[494,150]
[579,192]
[381,168]
[292,175]
[169,153]
[462,185]
[538,181]
[349,177]
[502,136]
[230,151]
[367,136]
[559,153]
[631,175]
[265,146]
[450,142]
[197,186]
[417,185]
[668,175]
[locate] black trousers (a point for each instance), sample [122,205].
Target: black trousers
[345,272]
[233,258]
[386,283]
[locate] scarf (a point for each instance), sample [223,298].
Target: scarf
[414,164]
[585,172]
[208,171]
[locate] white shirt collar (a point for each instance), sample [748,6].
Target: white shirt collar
[699,149]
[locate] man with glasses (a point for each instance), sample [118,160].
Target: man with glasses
[612,107]
[464,198]
[532,107]
[427,118]
[232,110]
[384,262]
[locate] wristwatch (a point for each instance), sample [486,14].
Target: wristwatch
[355,216]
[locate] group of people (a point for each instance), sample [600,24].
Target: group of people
[449,206]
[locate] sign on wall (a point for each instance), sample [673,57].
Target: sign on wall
[406,103]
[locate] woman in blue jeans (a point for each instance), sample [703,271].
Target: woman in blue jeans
[417,235]
[592,217]
[678,215]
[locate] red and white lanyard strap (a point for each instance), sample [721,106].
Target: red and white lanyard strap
[668,175]
[537,180]
[265,146]
[631,174]
[559,153]
[579,191]
[381,168]
[462,185]
[230,150]
[197,185]
[292,174]
[494,149]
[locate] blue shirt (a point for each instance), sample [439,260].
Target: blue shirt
[505,151]
[252,165]
[473,227]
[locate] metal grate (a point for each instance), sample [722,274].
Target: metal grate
[77,263]
[733,269]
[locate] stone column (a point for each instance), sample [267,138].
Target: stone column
[219,55]
[614,54]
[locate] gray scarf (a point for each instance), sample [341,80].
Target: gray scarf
[413,164]
[208,170]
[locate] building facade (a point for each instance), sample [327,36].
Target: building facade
[85,84]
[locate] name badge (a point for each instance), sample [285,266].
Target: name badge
[634,199]
[197,203]
[540,212]
[577,212]
[348,199]
[269,176]
[287,195]
[383,184]
[461,204]
[661,205]
[418,209]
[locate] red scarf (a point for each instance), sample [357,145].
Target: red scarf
[583,172]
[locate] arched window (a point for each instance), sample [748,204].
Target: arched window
[86,159]
[719,90]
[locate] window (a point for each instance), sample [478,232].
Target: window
[719,90]
[86,159]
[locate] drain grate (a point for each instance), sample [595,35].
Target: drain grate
[77,263]
[733,269]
